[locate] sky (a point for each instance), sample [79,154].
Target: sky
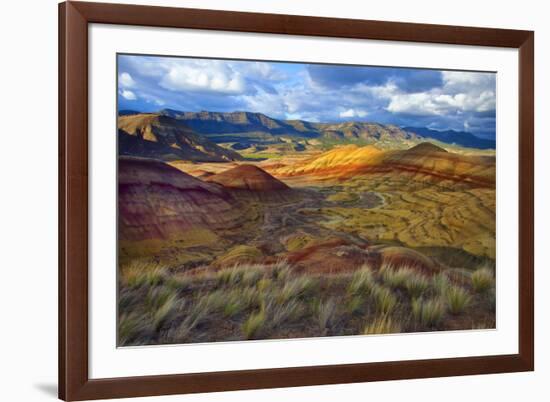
[437,99]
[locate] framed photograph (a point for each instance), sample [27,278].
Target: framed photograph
[261,200]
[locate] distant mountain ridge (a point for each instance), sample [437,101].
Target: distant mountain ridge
[237,122]
[462,138]
[164,138]
[127,112]
[248,128]
[218,124]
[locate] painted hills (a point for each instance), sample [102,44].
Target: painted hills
[422,162]
[157,201]
[248,177]
[164,138]
[250,181]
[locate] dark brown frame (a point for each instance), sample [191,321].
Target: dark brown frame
[74,17]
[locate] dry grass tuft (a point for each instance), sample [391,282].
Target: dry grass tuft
[296,287]
[234,303]
[253,325]
[282,313]
[160,303]
[383,324]
[362,281]
[457,299]
[247,275]
[280,271]
[130,326]
[416,284]
[405,277]
[142,273]
[384,299]
[483,280]
[428,313]
[394,277]
[326,314]
[195,315]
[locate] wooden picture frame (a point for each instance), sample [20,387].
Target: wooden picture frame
[74,381]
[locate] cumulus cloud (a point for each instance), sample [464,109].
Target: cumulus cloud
[353,113]
[216,77]
[125,80]
[460,81]
[461,92]
[127,94]
[424,104]
[260,70]
[206,75]
[266,102]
